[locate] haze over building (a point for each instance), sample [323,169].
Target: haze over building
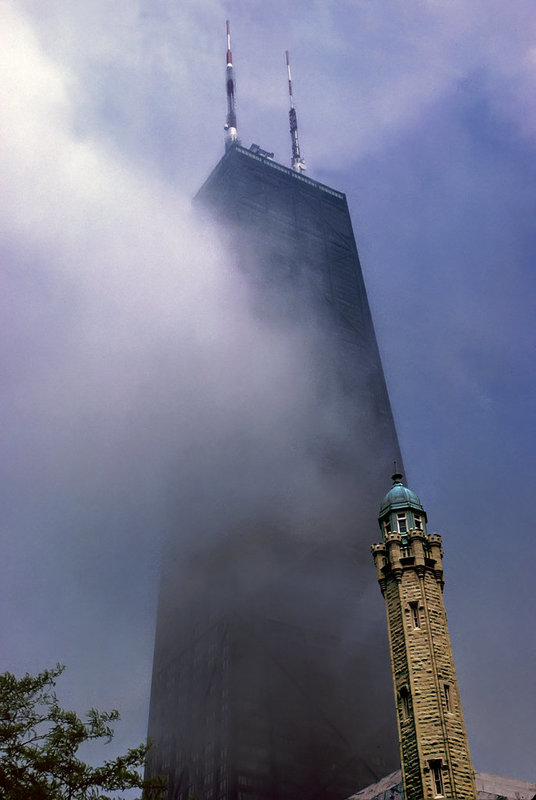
[111,122]
[271,671]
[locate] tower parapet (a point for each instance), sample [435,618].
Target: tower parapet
[434,750]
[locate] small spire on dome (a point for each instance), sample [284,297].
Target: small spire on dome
[397,476]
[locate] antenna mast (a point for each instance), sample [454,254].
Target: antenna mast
[230,122]
[298,163]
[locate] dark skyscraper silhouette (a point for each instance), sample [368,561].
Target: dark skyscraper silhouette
[271,670]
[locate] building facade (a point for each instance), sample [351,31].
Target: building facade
[434,751]
[270,676]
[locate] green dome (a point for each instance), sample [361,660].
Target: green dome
[400,497]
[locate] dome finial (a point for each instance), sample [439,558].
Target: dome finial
[396,476]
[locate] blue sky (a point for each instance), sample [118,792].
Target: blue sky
[424,114]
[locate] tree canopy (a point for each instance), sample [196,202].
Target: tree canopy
[39,743]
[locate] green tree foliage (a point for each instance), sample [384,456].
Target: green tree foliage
[39,742]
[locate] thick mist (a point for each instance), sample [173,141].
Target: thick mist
[112,118]
[146,401]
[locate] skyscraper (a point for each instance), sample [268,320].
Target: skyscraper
[271,675]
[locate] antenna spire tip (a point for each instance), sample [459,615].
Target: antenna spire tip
[298,164]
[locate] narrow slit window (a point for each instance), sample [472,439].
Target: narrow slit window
[418,522]
[387,525]
[405,709]
[415,617]
[402,526]
[446,696]
[437,778]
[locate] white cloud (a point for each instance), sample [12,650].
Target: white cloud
[129,347]
[363,71]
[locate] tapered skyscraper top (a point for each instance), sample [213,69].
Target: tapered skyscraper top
[269,681]
[271,671]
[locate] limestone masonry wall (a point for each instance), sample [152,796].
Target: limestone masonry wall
[433,743]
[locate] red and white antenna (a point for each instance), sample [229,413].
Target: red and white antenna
[230,121]
[298,163]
